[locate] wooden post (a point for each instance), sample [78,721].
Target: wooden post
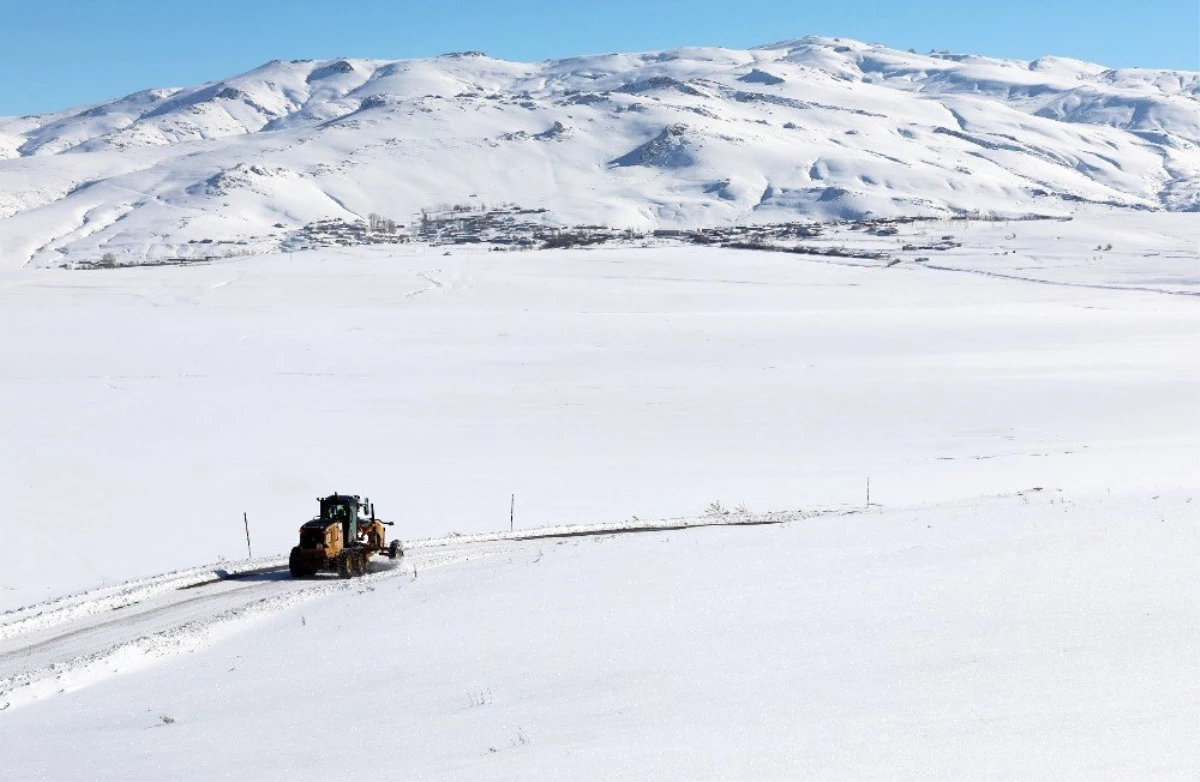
[246,524]
[512,507]
[868,492]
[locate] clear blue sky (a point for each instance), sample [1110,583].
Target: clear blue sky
[60,53]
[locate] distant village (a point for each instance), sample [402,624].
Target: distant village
[510,227]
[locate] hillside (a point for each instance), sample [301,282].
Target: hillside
[803,130]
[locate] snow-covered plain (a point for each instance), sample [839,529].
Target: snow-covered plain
[1016,603]
[163,403]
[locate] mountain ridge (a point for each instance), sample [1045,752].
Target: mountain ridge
[806,129]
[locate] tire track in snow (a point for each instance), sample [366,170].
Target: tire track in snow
[1061,283]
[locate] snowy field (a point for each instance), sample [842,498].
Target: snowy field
[1018,602]
[1043,635]
[147,409]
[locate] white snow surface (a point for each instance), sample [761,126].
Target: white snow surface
[595,385]
[814,128]
[1017,602]
[1036,635]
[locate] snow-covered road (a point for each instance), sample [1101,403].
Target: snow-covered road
[39,642]
[89,634]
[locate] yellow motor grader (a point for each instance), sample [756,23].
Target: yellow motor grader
[342,538]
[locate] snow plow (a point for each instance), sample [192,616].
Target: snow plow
[342,538]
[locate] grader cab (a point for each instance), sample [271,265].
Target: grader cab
[342,538]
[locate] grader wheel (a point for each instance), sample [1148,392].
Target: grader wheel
[345,565]
[295,565]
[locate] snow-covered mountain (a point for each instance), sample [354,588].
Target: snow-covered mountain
[814,128]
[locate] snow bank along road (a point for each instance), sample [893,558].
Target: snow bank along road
[85,631]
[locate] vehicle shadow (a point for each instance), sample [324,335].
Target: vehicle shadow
[280,574]
[263,574]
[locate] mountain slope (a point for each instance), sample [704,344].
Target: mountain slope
[807,129]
